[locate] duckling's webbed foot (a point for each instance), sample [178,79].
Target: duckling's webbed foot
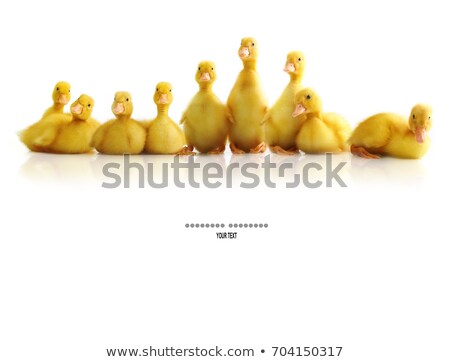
[362,152]
[236,150]
[261,148]
[217,151]
[186,151]
[281,151]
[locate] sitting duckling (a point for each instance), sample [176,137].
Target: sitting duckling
[247,104]
[122,135]
[319,132]
[392,135]
[205,119]
[63,133]
[280,129]
[61,97]
[164,136]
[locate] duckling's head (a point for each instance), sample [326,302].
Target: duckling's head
[206,73]
[82,107]
[420,121]
[61,93]
[306,101]
[122,105]
[295,63]
[163,93]
[248,51]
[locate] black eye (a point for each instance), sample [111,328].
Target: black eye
[89,105]
[157,89]
[253,44]
[308,97]
[170,90]
[198,68]
[57,89]
[69,90]
[299,59]
[414,116]
[212,68]
[128,99]
[429,117]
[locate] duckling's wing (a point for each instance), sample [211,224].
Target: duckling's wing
[372,133]
[340,126]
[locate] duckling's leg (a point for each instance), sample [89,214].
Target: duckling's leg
[234,149]
[281,151]
[186,151]
[217,151]
[261,148]
[362,152]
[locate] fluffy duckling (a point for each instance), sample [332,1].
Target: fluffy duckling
[205,120]
[392,135]
[61,97]
[164,136]
[280,129]
[247,104]
[122,135]
[319,132]
[64,133]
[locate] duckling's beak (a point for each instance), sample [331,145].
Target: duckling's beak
[118,108]
[163,99]
[63,99]
[421,134]
[205,77]
[289,68]
[299,109]
[244,52]
[77,108]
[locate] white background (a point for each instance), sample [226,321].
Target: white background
[83,269]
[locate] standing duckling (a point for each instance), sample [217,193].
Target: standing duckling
[64,133]
[319,132]
[61,97]
[122,135]
[164,136]
[247,104]
[280,129]
[205,120]
[392,135]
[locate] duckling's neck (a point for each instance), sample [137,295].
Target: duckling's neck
[296,78]
[250,65]
[58,107]
[123,117]
[205,86]
[316,114]
[77,119]
[163,109]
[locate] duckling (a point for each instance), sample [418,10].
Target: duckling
[61,97]
[319,132]
[205,120]
[247,104]
[164,136]
[63,133]
[281,130]
[123,134]
[392,135]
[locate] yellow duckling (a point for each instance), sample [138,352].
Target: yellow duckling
[122,135]
[164,136]
[61,97]
[319,132]
[205,120]
[64,133]
[392,135]
[280,129]
[247,104]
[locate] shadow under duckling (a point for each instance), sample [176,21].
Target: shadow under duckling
[61,97]
[247,104]
[64,133]
[319,132]
[393,135]
[205,120]
[122,135]
[164,136]
[281,129]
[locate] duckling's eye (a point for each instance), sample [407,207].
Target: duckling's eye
[253,44]
[414,116]
[170,90]
[57,89]
[198,68]
[157,89]
[299,59]
[89,105]
[69,90]
[212,68]
[429,117]
[308,96]
[128,99]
